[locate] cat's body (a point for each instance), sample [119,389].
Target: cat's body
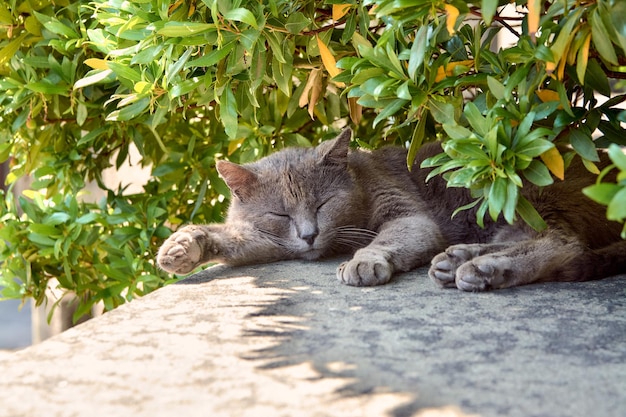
[314,202]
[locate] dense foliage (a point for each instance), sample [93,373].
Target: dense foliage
[189,81]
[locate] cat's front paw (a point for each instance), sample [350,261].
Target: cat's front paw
[483,273]
[365,270]
[181,253]
[444,266]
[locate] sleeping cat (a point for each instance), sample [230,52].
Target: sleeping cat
[309,203]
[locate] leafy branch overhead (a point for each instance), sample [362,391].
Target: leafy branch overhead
[188,81]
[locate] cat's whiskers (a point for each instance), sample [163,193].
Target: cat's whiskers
[280,241]
[353,237]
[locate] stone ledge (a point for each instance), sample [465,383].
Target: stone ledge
[286,339]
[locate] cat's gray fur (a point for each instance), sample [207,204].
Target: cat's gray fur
[315,202]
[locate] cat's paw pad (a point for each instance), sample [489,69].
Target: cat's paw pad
[444,266]
[180,253]
[365,271]
[482,274]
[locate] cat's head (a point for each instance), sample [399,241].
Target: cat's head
[298,198]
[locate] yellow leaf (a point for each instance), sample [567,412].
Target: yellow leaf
[328,60]
[448,71]
[174,6]
[97,63]
[452,14]
[233,145]
[554,161]
[550,67]
[548,95]
[534,10]
[583,59]
[142,86]
[312,90]
[591,167]
[441,74]
[560,69]
[11,49]
[356,110]
[340,10]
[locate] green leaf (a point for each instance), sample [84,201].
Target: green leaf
[46,87]
[476,119]
[57,218]
[129,112]
[488,9]
[228,112]
[95,77]
[184,29]
[124,71]
[389,110]
[241,15]
[455,131]
[602,193]
[55,26]
[275,40]
[212,57]
[443,111]
[601,38]
[512,193]
[497,197]
[596,78]
[565,34]
[418,51]
[535,147]
[583,145]
[41,239]
[617,155]
[296,22]
[530,214]
[616,209]
[538,174]
[416,140]
[11,49]
[495,87]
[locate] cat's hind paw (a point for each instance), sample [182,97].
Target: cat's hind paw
[444,266]
[180,253]
[365,271]
[483,273]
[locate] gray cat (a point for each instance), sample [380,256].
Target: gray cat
[309,203]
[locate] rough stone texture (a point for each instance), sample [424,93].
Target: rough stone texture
[287,339]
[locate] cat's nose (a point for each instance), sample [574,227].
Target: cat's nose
[309,237]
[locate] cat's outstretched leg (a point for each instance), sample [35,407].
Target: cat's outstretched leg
[401,245]
[196,245]
[480,267]
[444,265]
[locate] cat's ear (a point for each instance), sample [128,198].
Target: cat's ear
[336,151]
[239,179]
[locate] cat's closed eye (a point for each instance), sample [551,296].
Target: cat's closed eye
[283,216]
[323,203]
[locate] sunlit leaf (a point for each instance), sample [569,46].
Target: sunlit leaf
[328,60]
[452,13]
[340,10]
[534,12]
[241,15]
[554,161]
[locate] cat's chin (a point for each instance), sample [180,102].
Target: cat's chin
[311,254]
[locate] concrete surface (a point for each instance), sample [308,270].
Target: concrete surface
[287,339]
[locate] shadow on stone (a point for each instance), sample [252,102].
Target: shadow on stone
[527,351]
